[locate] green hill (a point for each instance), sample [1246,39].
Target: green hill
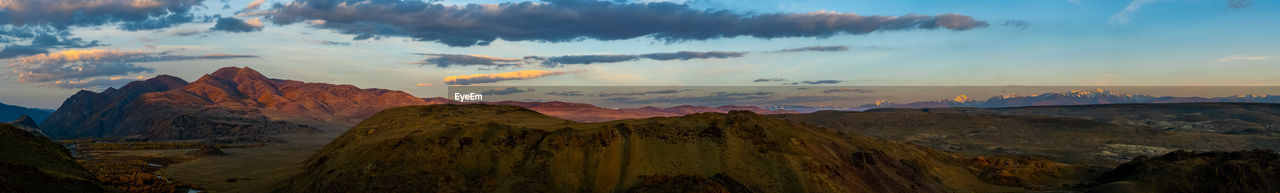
[30,163]
[485,148]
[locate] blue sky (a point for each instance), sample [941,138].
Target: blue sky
[1067,43]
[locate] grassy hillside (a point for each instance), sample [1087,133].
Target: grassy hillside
[484,148]
[30,163]
[1063,139]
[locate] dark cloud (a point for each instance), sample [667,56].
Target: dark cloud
[131,15]
[1239,4]
[25,41]
[838,90]
[1020,24]
[817,82]
[82,66]
[506,91]
[574,20]
[769,80]
[565,93]
[559,61]
[230,24]
[642,93]
[818,49]
[451,60]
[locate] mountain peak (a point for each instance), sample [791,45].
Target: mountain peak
[237,73]
[25,121]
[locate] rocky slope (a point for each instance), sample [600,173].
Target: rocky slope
[485,148]
[1182,171]
[27,124]
[30,163]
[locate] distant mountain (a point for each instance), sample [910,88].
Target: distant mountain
[11,112]
[591,113]
[1074,97]
[486,148]
[1100,135]
[30,163]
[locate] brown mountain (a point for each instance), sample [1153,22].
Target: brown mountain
[486,148]
[91,114]
[1073,97]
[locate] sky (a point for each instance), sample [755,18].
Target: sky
[53,48]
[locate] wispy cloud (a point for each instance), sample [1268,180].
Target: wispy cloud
[423,84]
[574,20]
[505,76]
[75,65]
[1239,4]
[456,60]
[1244,58]
[505,91]
[1123,17]
[853,90]
[130,15]
[641,93]
[817,82]
[565,93]
[769,80]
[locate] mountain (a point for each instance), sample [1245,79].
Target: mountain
[1074,97]
[1183,171]
[1223,118]
[10,112]
[27,124]
[487,148]
[1050,135]
[92,114]
[30,163]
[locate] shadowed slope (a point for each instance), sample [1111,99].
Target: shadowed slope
[30,163]
[484,148]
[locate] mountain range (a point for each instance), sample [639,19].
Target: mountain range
[237,103]
[1074,97]
[11,112]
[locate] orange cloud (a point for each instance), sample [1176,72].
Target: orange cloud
[424,85]
[498,77]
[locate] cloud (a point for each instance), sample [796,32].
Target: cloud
[769,80]
[451,60]
[332,43]
[230,24]
[505,76]
[565,93]
[75,65]
[1239,4]
[1122,17]
[817,82]
[25,41]
[423,84]
[668,91]
[838,90]
[254,5]
[817,49]
[115,81]
[574,20]
[1244,58]
[130,15]
[1020,24]
[560,61]
[506,91]
[186,32]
